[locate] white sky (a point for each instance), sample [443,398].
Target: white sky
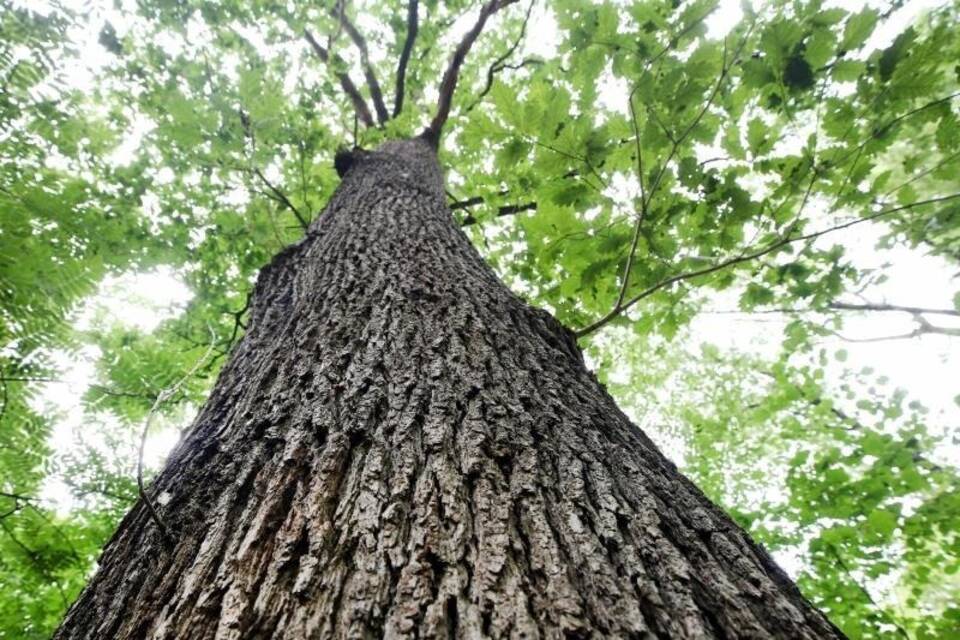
[921,366]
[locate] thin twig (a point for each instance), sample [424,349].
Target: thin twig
[878,131]
[162,397]
[865,592]
[849,306]
[625,280]
[922,174]
[646,198]
[36,559]
[238,319]
[501,62]
[275,193]
[280,197]
[724,72]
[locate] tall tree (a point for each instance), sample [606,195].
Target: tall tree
[623,165]
[399,446]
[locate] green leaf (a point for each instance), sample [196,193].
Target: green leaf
[819,48]
[882,523]
[759,137]
[847,70]
[858,28]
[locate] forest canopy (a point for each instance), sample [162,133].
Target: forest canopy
[748,214]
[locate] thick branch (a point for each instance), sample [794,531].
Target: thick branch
[507,210]
[449,82]
[413,25]
[359,105]
[746,257]
[375,93]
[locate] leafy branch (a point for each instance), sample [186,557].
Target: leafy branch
[273,192]
[746,257]
[500,63]
[646,198]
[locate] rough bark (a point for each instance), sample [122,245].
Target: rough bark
[400,447]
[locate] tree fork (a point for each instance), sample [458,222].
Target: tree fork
[399,447]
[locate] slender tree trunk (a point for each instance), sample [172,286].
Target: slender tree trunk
[401,448]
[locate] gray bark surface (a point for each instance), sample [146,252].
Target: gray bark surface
[402,448]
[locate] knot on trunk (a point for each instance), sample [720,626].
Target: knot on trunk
[345,159]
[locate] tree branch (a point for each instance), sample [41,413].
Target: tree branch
[645,198]
[449,82]
[413,26]
[359,105]
[238,320]
[924,327]
[882,129]
[876,605]
[280,197]
[275,193]
[840,306]
[849,306]
[643,201]
[162,397]
[676,142]
[37,561]
[746,257]
[500,63]
[375,93]
[507,210]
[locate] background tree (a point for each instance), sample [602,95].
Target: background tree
[728,164]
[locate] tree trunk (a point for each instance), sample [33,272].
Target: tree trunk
[401,448]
